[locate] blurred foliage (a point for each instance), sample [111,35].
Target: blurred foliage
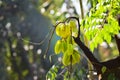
[96,20]
[57,10]
[20,60]
[24,61]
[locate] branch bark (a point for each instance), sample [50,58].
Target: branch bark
[114,63]
[81,7]
[116,37]
[118,43]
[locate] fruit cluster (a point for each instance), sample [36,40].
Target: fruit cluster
[66,44]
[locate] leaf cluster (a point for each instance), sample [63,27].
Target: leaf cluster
[101,24]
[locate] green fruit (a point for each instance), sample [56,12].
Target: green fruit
[73,26]
[64,46]
[58,46]
[70,49]
[68,33]
[58,29]
[62,30]
[66,59]
[71,59]
[75,57]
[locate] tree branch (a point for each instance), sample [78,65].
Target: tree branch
[110,64]
[89,54]
[116,37]
[81,7]
[118,43]
[113,63]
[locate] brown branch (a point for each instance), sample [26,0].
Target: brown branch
[113,63]
[116,37]
[110,64]
[89,54]
[85,49]
[118,43]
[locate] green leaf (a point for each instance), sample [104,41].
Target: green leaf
[104,69]
[52,73]
[92,46]
[25,72]
[107,37]
[111,76]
